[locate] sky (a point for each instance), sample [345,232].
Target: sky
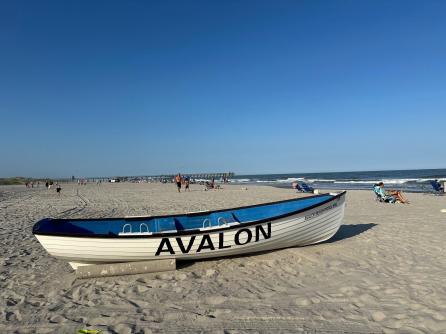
[108,88]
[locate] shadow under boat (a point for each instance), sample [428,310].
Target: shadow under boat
[349,231]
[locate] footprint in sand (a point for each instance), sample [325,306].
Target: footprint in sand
[121,329]
[13,316]
[409,330]
[140,289]
[378,316]
[210,272]
[315,300]
[391,291]
[181,276]
[215,300]
[302,301]
[57,319]
[393,324]
[348,290]
[165,277]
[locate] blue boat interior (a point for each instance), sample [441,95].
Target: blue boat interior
[173,224]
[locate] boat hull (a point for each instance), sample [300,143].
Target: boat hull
[308,227]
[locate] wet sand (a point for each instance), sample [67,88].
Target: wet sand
[383,272]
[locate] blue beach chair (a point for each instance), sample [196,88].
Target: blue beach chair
[438,189]
[296,186]
[306,188]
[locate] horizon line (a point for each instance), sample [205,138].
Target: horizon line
[235,174]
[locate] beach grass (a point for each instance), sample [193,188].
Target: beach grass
[13,181]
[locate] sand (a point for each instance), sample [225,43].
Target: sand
[383,272]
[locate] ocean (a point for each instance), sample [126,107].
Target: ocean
[417,180]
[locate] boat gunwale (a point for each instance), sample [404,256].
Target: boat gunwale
[191,231]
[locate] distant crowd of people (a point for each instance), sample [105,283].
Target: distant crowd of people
[81,182]
[185,181]
[48,185]
[30,184]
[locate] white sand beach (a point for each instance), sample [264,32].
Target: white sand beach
[383,272]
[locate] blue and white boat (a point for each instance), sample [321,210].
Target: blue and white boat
[256,228]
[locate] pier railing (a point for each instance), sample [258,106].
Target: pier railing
[168,177]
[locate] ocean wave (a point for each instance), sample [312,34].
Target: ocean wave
[334,181]
[357,182]
[401,181]
[385,181]
[290,179]
[201,180]
[319,180]
[239,180]
[431,179]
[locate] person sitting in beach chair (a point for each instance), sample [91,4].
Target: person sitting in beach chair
[208,185]
[296,186]
[387,195]
[211,185]
[381,195]
[306,188]
[437,187]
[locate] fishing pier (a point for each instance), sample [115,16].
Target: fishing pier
[163,177]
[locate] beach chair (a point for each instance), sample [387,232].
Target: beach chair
[209,185]
[306,188]
[438,189]
[380,198]
[297,187]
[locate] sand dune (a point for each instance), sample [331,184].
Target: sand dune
[383,272]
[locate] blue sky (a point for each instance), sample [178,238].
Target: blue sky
[142,87]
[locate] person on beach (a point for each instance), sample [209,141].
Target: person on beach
[186,183]
[439,186]
[58,188]
[297,187]
[398,195]
[178,180]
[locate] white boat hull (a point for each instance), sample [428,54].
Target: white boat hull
[308,227]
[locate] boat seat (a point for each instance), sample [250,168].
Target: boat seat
[168,231]
[130,234]
[209,228]
[167,226]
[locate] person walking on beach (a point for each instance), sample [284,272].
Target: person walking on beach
[58,188]
[178,180]
[186,183]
